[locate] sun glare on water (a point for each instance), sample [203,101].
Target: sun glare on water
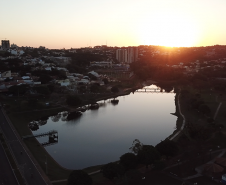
[168,30]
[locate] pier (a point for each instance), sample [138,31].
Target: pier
[53,137]
[152,90]
[50,133]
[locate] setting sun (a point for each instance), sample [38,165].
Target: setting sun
[168,30]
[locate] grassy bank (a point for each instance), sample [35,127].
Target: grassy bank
[20,122]
[179,121]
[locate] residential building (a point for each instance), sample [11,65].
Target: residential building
[5,44]
[132,54]
[122,55]
[127,55]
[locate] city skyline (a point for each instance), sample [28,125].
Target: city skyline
[65,24]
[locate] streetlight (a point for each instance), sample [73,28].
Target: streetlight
[210,153]
[46,165]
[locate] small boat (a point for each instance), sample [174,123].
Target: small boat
[83,109]
[114,101]
[73,115]
[33,126]
[94,106]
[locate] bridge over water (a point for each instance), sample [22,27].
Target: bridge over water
[152,90]
[53,137]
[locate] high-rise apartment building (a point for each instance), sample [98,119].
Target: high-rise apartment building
[132,54]
[127,55]
[5,44]
[121,55]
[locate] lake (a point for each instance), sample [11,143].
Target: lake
[103,135]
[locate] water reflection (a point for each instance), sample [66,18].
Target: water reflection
[102,135]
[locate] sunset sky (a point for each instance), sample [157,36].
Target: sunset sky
[82,23]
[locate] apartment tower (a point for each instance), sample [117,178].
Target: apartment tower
[127,55]
[5,44]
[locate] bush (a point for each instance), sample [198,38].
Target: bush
[115,89]
[167,147]
[148,154]
[79,177]
[159,165]
[73,100]
[128,160]
[112,170]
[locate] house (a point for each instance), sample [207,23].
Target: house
[65,82]
[6,74]
[94,74]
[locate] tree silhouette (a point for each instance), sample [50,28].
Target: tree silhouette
[128,160]
[112,170]
[79,177]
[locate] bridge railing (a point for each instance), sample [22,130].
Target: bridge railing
[41,134]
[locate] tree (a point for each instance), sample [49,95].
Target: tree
[79,177]
[73,100]
[204,109]
[148,154]
[94,88]
[42,90]
[136,146]
[32,102]
[128,160]
[159,165]
[167,147]
[114,89]
[105,80]
[45,78]
[7,79]
[18,89]
[112,170]
[51,87]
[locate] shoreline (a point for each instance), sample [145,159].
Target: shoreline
[123,92]
[180,123]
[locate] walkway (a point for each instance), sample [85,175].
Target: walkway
[218,108]
[183,124]
[200,168]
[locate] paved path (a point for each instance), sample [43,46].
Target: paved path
[218,108]
[24,161]
[200,168]
[183,124]
[7,175]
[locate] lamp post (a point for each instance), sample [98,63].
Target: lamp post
[46,165]
[178,161]
[210,153]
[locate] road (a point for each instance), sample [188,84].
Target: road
[27,167]
[6,173]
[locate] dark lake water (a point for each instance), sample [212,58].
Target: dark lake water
[103,135]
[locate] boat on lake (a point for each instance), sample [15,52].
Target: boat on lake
[73,115]
[114,101]
[94,106]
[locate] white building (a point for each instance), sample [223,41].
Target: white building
[65,82]
[94,74]
[6,74]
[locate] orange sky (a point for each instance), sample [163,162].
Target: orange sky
[75,23]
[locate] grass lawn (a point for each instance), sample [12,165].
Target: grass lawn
[202,181]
